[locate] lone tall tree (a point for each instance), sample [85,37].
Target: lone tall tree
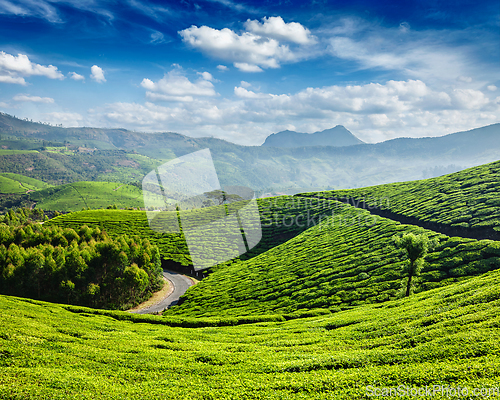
[415,248]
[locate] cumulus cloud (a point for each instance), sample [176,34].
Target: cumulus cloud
[176,87]
[76,77]
[245,67]
[492,88]
[276,28]
[13,69]
[97,74]
[248,94]
[33,99]
[64,118]
[222,68]
[248,51]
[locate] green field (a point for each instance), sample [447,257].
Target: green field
[469,198]
[4,152]
[316,310]
[347,260]
[20,183]
[173,246]
[8,186]
[80,195]
[447,336]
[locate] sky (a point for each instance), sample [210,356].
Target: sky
[241,70]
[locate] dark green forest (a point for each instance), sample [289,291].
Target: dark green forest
[83,266]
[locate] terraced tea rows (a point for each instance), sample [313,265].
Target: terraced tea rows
[82,195]
[447,336]
[281,218]
[467,199]
[347,260]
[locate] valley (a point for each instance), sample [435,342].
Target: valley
[317,309]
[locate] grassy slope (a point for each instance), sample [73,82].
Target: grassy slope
[75,196]
[10,186]
[20,183]
[274,212]
[348,260]
[469,198]
[448,336]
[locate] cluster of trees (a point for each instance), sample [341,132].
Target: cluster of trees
[84,267]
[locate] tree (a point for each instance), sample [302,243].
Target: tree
[415,248]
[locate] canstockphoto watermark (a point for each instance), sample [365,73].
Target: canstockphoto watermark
[213,234]
[459,392]
[309,219]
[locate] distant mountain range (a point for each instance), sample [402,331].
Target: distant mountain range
[338,137]
[262,168]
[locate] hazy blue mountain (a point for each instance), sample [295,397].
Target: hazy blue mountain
[263,168]
[337,136]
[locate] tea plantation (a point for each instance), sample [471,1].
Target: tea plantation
[447,336]
[277,216]
[346,260]
[82,195]
[467,199]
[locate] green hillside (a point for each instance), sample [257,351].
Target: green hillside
[276,216]
[8,186]
[447,336]
[122,222]
[64,166]
[79,195]
[15,183]
[347,260]
[467,199]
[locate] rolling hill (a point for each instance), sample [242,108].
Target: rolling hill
[79,195]
[467,201]
[447,337]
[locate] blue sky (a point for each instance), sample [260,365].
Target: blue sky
[243,70]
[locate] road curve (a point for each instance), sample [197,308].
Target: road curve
[180,284]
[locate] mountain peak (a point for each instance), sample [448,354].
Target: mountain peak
[337,136]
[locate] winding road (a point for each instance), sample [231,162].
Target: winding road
[180,283]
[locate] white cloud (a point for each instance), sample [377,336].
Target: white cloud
[33,99]
[425,54]
[45,9]
[245,84]
[248,94]
[244,67]
[38,8]
[469,99]
[276,28]
[76,77]
[64,118]
[12,79]
[222,68]
[492,88]
[157,37]
[97,74]
[13,69]
[248,52]
[206,75]
[176,87]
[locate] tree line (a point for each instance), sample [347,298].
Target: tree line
[82,267]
